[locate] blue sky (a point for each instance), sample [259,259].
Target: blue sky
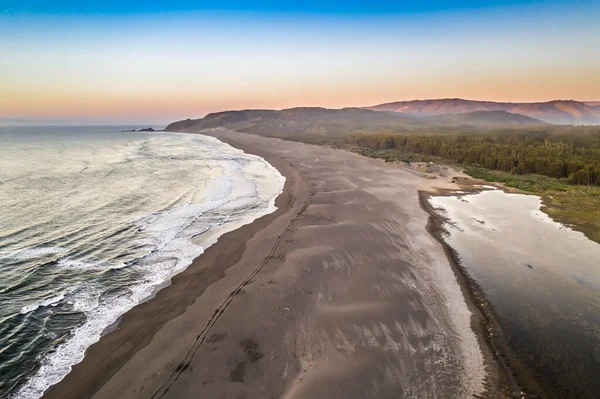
[151,61]
[307,6]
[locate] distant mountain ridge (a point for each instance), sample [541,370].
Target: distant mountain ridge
[319,122]
[560,112]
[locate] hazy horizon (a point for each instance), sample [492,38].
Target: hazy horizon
[155,62]
[159,124]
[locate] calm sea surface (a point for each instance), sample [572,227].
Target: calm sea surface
[542,280]
[93,220]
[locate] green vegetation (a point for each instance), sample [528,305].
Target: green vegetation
[575,157]
[530,182]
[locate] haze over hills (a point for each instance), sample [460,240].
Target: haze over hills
[561,112]
[294,121]
[336,122]
[484,119]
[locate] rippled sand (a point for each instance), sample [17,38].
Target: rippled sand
[340,293]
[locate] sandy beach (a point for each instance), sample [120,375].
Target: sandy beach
[340,293]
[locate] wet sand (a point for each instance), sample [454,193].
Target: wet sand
[341,292]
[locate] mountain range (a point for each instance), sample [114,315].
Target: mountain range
[559,112]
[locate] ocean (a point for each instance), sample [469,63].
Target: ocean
[93,221]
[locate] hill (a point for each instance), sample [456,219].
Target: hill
[322,122]
[300,121]
[555,112]
[484,119]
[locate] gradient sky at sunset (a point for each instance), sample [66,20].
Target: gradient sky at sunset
[157,61]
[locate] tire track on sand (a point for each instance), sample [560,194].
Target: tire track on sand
[175,374]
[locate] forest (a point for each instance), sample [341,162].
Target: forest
[574,157]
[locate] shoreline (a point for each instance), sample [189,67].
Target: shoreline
[522,377]
[485,324]
[139,326]
[123,338]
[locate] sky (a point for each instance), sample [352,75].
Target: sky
[159,61]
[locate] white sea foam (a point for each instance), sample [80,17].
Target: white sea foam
[76,264]
[36,252]
[246,191]
[46,302]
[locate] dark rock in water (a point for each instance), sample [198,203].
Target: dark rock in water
[148,129]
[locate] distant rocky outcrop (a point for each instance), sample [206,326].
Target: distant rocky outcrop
[148,129]
[563,112]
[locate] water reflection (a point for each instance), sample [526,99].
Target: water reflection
[542,280]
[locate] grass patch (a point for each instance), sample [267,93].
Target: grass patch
[530,182]
[579,208]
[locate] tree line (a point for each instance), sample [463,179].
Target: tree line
[574,157]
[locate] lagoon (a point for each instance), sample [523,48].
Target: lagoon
[541,280]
